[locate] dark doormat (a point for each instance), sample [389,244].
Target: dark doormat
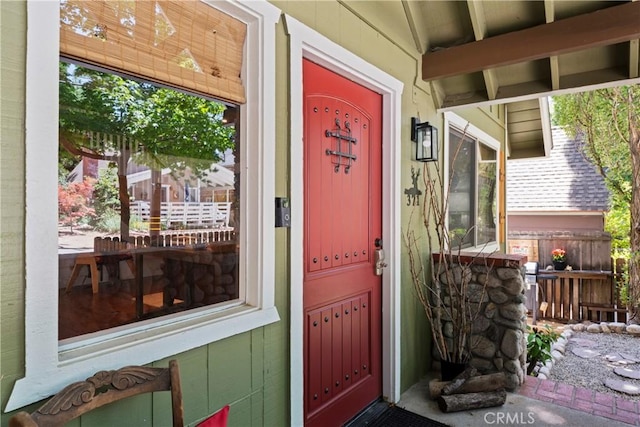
[382,414]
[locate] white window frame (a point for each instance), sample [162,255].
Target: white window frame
[49,364]
[452,120]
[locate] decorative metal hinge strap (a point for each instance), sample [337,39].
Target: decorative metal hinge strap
[342,135]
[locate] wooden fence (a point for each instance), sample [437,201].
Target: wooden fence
[590,290]
[165,239]
[579,295]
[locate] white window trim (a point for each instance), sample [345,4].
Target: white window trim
[307,43]
[48,366]
[453,120]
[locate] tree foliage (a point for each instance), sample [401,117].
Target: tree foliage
[607,122]
[105,191]
[600,120]
[174,128]
[74,202]
[108,117]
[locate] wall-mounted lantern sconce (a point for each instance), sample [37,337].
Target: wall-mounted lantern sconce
[426,138]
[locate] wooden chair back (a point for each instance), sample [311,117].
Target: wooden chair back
[103,388]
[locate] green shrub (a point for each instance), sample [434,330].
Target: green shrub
[539,343]
[108,222]
[136,223]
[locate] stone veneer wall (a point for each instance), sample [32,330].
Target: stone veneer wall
[498,336]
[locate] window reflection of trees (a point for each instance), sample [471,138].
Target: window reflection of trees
[142,146]
[472,196]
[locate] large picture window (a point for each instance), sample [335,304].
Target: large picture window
[147,206]
[147,255]
[473,175]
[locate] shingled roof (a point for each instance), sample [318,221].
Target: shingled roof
[563,182]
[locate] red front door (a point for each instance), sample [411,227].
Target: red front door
[342,293]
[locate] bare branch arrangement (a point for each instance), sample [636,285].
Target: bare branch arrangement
[444,287]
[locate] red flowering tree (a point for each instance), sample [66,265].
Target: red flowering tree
[74,201]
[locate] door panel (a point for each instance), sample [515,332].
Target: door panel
[342,294]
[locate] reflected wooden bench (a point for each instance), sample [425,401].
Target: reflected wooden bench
[106,253]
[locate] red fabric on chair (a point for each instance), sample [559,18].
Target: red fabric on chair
[219,419]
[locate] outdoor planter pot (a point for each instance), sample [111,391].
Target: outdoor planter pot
[559,265]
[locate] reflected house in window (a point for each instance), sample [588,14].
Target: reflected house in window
[209,196]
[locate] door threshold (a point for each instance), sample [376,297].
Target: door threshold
[368,414]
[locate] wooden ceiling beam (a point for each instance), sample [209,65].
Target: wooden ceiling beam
[479,24]
[554,65]
[613,25]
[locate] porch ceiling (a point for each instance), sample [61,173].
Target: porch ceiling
[514,52]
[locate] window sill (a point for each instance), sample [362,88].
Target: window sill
[79,359]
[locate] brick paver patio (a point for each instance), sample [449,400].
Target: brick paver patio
[582,399]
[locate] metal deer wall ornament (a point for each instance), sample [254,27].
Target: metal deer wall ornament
[413,193]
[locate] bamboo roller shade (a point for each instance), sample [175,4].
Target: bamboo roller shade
[186,43]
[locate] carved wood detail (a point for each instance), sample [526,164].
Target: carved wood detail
[82,392]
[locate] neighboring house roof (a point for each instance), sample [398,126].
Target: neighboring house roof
[565,181]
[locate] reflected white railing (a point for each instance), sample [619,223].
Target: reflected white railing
[214,214]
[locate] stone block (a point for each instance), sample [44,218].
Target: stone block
[512,343]
[512,311]
[594,328]
[482,347]
[633,330]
